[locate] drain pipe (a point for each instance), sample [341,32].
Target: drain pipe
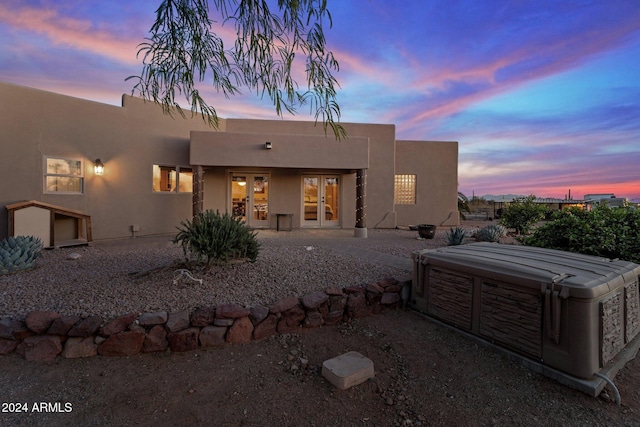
[613,386]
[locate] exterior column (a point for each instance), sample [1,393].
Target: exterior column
[198,190]
[361,215]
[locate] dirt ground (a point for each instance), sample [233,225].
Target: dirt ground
[425,374]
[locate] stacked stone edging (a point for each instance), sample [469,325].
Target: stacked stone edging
[43,335]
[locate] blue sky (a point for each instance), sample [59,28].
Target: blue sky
[542,96]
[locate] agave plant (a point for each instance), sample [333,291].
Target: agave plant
[455,236]
[214,237]
[19,253]
[491,233]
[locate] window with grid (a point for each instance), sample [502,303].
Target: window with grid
[172,179]
[63,175]
[405,190]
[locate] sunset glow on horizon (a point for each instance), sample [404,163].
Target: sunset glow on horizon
[543,97]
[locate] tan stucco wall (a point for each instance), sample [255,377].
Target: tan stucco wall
[289,150]
[131,138]
[436,165]
[380,173]
[127,139]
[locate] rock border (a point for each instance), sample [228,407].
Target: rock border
[43,335]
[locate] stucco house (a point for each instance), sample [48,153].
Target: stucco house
[158,170]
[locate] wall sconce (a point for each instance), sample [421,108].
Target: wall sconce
[267,145]
[98,167]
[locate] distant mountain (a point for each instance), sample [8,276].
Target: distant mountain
[500,197]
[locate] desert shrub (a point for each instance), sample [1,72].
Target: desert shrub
[603,231]
[491,233]
[19,253]
[463,205]
[455,236]
[215,237]
[522,214]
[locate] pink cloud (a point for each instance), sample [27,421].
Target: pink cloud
[74,33]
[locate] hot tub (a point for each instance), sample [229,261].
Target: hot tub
[568,311]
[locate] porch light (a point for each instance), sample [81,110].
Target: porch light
[267,145]
[98,167]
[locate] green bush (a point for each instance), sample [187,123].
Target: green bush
[455,236]
[522,214]
[213,237]
[604,231]
[19,253]
[491,233]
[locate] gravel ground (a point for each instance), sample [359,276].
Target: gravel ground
[102,281]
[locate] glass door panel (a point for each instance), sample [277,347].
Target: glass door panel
[331,201]
[321,201]
[260,200]
[250,198]
[239,196]
[311,199]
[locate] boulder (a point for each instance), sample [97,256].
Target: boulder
[314,299]
[151,319]
[337,303]
[155,340]
[39,321]
[373,299]
[283,305]
[212,336]
[7,346]
[85,327]
[334,291]
[333,318]
[118,325]
[265,328]
[42,348]
[357,306]
[258,313]
[374,288]
[291,319]
[240,331]
[354,290]
[184,340]
[390,298]
[76,347]
[387,281]
[231,311]
[9,326]
[393,288]
[62,325]
[223,322]
[177,321]
[125,343]
[203,316]
[313,319]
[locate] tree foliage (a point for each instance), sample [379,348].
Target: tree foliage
[183,51]
[522,214]
[603,231]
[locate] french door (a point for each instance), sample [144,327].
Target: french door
[250,198]
[321,201]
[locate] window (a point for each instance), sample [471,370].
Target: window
[169,178]
[405,190]
[63,175]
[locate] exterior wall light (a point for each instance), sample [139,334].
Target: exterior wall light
[98,167]
[267,145]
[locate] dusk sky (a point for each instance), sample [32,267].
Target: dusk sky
[543,96]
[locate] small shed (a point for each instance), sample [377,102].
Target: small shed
[55,226]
